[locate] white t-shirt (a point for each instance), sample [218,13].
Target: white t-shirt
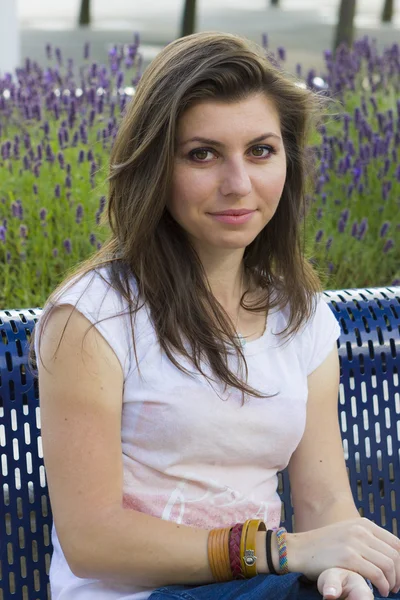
[193,454]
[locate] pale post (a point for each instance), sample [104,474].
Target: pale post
[9,37]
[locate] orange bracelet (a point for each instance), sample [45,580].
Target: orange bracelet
[226,557]
[211,554]
[218,554]
[248,547]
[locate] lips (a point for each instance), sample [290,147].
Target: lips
[234,213]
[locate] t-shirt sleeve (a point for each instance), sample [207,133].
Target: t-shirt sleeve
[96,300]
[322,332]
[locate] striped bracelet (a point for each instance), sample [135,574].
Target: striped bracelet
[283,561]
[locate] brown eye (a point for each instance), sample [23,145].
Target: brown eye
[261,151]
[200,154]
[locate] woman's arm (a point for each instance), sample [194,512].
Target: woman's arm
[81,402]
[320,487]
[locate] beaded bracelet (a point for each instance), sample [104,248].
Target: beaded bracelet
[283,561]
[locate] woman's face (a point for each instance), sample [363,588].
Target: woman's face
[229,156]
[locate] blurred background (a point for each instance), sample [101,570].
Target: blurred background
[305,28]
[69,68]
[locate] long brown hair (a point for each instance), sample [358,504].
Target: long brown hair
[148,244]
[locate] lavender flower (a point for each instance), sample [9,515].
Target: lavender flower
[79,214]
[384,229]
[67,246]
[363,228]
[319,235]
[388,245]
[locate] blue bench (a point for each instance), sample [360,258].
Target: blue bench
[369,413]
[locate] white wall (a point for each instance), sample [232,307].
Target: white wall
[9,37]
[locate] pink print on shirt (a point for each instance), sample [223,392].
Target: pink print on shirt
[210,510]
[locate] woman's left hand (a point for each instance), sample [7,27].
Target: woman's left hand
[335,584]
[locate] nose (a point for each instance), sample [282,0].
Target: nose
[235,179]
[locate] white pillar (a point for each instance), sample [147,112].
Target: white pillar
[9,37]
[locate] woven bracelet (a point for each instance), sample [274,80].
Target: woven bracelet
[234,551]
[283,561]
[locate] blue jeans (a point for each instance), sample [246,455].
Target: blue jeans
[262,587]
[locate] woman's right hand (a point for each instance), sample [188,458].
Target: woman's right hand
[358,545]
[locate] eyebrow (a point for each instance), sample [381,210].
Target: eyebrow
[211,142]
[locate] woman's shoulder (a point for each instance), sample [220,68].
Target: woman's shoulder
[95,287]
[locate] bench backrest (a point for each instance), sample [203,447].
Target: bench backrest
[369,413]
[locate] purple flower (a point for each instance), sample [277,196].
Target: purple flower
[17,209]
[58,56]
[363,228]
[329,243]
[319,235]
[67,246]
[2,234]
[384,229]
[55,252]
[57,191]
[102,203]
[43,214]
[120,79]
[281,53]
[79,214]
[388,245]
[35,189]
[92,239]
[86,51]
[341,225]
[23,231]
[81,156]
[354,230]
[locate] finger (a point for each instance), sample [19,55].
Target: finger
[370,571]
[385,563]
[391,567]
[382,534]
[359,591]
[330,583]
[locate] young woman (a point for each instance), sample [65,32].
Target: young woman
[193,357]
